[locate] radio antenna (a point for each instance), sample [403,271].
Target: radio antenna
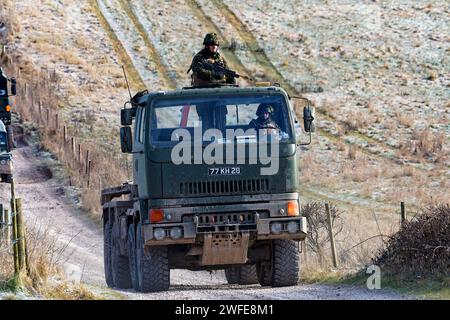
[126,80]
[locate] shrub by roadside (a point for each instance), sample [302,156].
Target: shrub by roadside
[421,248]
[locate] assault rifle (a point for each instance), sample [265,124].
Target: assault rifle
[220,69]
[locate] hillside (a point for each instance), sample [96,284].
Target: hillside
[383,117]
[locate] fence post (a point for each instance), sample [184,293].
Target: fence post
[8,230]
[14,229]
[89,175]
[72,148]
[2,222]
[402,212]
[40,111]
[15,243]
[56,121]
[87,161]
[21,235]
[330,230]
[64,135]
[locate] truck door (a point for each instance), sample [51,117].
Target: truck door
[138,149]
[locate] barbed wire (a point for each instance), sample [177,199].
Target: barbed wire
[370,238]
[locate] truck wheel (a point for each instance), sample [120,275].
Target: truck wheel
[132,256]
[152,266]
[232,274]
[264,273]
[107,229]
[285,263]
[11,142]
[247,274]
[120,263]
[244,275]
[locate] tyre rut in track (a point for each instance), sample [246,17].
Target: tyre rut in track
[136,81]
[161,67]
[140,52]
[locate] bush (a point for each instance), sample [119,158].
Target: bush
[318,229]
[421,247]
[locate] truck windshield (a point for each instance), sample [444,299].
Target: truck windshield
[237,113]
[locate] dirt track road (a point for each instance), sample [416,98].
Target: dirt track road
[45,201]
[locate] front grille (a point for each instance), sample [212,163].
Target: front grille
[224,187]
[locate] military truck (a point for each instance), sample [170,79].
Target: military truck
[5,106]
[200,214]
[5,156]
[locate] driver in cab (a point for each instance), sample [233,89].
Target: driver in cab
[264,120]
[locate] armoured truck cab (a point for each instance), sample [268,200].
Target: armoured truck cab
[214,187]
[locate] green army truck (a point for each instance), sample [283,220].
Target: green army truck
[6,170]
[202,198]
[5,106]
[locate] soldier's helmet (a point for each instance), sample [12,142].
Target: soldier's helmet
[264,107]
[211,39]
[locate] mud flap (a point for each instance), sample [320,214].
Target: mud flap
[225,248]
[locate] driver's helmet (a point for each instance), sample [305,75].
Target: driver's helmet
[264,107]
[211,39]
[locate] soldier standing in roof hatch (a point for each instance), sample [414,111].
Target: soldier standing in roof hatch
[203,76]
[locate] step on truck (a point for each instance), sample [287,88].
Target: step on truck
[210,191]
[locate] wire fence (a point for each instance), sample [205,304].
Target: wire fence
[12,234]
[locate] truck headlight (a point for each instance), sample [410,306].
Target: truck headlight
[292,227]
[276,228]
[176,233]
[159,234]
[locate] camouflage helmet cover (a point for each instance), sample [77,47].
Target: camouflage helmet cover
[264,107]
[211,39]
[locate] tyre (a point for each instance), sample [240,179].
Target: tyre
[152,264]
[120,263]
[244,275]
[132,256]
[264,273]
[285,263]
[11,142]
[283,268]
[232,275]
[247,274]
[107,229]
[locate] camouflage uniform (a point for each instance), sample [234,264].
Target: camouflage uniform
[260,122]
[202,76]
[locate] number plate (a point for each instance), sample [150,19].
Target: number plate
[226,171]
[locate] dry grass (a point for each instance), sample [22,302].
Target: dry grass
[44,278]
[355,121]
[404,119]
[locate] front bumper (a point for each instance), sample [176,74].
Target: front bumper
[194,232]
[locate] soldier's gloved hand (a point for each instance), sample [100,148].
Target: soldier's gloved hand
[218,75]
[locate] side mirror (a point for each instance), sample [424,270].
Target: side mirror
[126,116]
[13,87]
[126,142]
[308,119]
